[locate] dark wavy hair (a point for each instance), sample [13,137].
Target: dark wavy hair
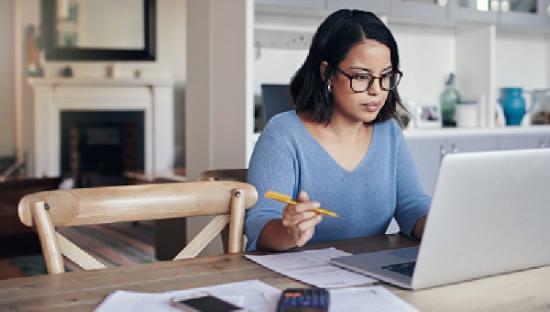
[334,38]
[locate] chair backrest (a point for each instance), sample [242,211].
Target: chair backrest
[48,210]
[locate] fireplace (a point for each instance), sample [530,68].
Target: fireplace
[98,147]
[81,123]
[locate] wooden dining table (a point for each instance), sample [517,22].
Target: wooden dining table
[527,290]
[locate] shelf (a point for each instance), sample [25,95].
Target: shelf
[100,82]
[542,129]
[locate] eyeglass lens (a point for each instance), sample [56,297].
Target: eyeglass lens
[361,83]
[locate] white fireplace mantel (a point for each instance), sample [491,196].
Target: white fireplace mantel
[152,96]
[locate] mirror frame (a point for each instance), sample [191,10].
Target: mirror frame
[55,52]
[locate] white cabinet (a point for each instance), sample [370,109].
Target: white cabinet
[511,142]
[523,13]
[421,9]
[376,6]
[428,152]
[303,4]
[485,12]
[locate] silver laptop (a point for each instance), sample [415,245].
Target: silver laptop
[489,215]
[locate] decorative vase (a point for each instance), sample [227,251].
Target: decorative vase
[513,105]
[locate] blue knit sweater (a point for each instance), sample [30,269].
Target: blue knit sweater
[385,184]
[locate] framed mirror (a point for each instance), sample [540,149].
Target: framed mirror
[99,30]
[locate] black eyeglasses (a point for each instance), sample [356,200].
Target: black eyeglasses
[361,82]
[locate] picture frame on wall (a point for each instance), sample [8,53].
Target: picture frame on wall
[428,116]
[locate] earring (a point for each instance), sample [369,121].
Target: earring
[329,88]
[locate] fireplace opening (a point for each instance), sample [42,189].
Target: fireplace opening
[98,147]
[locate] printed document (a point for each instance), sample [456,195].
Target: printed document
[376,298]
[312,267]
[253,295]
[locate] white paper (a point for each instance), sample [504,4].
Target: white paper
[375,298]
[253,295]
[313,267]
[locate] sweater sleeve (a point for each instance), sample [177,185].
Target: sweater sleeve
[412,202]
[272,167]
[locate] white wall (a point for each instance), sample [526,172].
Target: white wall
[522,60]
[276,66]
[427,57]
[7,74]
[171,55]
[220,110]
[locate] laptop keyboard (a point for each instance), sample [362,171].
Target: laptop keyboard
[406,268]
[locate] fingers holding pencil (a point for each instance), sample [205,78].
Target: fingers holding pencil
[300,219]
[300,211]
[287,199]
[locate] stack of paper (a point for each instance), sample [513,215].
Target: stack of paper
[313,267]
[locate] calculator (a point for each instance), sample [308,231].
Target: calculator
[304,300]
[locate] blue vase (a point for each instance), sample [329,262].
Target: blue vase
[513,105]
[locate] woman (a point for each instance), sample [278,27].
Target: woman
[341,148]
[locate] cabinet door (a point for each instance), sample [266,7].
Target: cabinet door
[545,140]
[474,11]
[308,4]
[427,154]
[429,9]
[375,6]
[468,144]
[523,13]
[522,141]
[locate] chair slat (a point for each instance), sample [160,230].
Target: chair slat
[205,236]
[77,255]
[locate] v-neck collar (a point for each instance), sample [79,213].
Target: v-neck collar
[359,165]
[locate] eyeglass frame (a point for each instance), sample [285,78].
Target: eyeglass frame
[371,81]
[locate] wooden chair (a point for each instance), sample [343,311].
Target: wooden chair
[48,210]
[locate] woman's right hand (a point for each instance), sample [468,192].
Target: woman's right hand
[300,220]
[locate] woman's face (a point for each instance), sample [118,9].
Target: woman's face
[366,59]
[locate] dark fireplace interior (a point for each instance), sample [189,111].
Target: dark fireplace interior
[98,147]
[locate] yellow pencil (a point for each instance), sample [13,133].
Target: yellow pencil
[287,199]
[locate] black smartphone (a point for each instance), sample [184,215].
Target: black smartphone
[204,303]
